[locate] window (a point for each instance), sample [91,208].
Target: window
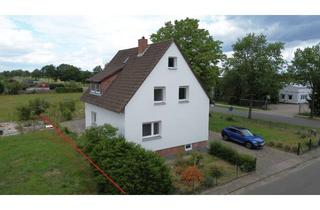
[93,118]
[304,97]
[283,96]
[188,147]
[159,94]
[151,129]
[172,62]
[290,97]
[183,93]
[95,89]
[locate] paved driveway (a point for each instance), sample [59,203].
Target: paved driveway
[266,157]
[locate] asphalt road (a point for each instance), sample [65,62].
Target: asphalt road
[270,117]
[303,180]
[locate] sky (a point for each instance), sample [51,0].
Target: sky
[30,42]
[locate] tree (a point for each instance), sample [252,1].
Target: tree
[202,51]
[253,71]
[216,172]
[50,71]
[1,87]
[97,69]
[136,170]
[192,175]
[305,69]
[68,72]
[36,74]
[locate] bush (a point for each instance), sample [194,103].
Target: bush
[68,90]
[216,172]
[208,181]
[135,169]
[271,144]
[287,148]
[13,87]
[279,145]
[24,113]
[1,87]
[196,158]
[246,163]
[38,106]
[53,86]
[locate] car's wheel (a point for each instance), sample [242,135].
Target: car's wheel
[248,145]
[225,137]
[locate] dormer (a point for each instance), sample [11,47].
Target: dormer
[95,89]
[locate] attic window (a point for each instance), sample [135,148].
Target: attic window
[172,62]
[126,60]
[95,89]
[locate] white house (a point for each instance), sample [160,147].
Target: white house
[293,93]
[152,96]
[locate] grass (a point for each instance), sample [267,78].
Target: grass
[40,163]
[229,172]
[10,102]
[283,133]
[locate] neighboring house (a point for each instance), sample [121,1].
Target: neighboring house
[293,93]
[152,96]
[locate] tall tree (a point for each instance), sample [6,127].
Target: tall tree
[50,71]
[253,70]
[97,69]
[202,51]
[68,72]
[305,69]
[36,74]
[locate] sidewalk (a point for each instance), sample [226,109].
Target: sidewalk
[262,174]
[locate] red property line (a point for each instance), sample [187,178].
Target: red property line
[47,120]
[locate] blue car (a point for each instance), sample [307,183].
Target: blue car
[242,136]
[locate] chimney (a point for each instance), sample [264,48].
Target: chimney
[142,45]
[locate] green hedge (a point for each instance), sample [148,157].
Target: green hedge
[245,162]
[68,90]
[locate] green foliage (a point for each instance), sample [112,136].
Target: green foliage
[68,72]
[24,113]
[13,87]
[68,90]
[135,169]
[253,70]
[97,69]
[196,158]
[1,87]
[63,110]
[305,69]
[201,50]
[246,163]
[38,106]
[50,71]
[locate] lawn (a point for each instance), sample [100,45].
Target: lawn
[8,103]
[40,163]
[272,132]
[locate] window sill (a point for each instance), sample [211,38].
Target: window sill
[150,138]
[183,101]
[172,68]
[95,93]
[159,103]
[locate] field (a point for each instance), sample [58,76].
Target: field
[40,163]
[276,132]
[8,103]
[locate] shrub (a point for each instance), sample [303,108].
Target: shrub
[24,113]
[38,106]
[135,169]
[53,86]
[287,148]
[216,172]
[208,181]
[230,119]
[13,87]
[246,163]
[271,144]
[68,90]
[196,158]
[279,145]
[1,87]
[192,175]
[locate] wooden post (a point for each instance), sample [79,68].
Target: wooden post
[310,144]
[298,150]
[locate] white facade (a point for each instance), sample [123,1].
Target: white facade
[181,122]
[296,94]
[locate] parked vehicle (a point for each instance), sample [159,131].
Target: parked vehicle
[243,136]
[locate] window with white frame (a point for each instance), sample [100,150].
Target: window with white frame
[95,88]
[159,94]
[93,118]
[172,62]
[283,96]
[304,97]
[290,97]
[183,93]
[151,129]
[188,147]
